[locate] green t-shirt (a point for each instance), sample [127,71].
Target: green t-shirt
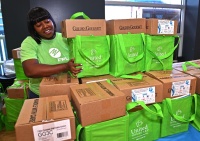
[50,52]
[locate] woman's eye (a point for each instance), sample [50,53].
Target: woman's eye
[37,25]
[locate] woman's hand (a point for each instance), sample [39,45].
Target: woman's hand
[73,67]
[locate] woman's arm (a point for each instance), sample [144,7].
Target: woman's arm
[33,69]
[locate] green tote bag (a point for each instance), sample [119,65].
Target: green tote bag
[159,52]
[196,122]
[144,124]
[13,106]
[126,54]
[93,52]
[178,114]
[111,130]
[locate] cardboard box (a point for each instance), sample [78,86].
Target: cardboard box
[161,27]
[175,83]
[191,70]
[57,85]
[148,89]
[18,89]
[179,65]
[95,79]
[70,28]
[48,118]
[16,53]
[97,102]
[123,26]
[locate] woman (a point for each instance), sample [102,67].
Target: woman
[45,51]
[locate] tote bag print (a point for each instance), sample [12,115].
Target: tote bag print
[144,125]
[159,52]
[178,114]
[127,54]
[93,52]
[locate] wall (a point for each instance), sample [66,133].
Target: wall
[14,15]
[14,20]
[191,41]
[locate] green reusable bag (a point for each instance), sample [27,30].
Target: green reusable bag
[144,124]
[126,53]
[13,106]
[111,130]
[178,114]
[9,126]
[188,63]
[159,52]
[196,122]
[93,52]
[1,122]
[19,71]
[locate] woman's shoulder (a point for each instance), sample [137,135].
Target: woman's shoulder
[28,39]
[28,42]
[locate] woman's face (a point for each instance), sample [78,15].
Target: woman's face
[45,29]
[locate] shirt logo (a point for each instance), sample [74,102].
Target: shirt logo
[54,52]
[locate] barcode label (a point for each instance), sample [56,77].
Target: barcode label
[54,131]
[63,134]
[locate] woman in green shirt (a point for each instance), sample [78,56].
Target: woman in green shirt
[45,51]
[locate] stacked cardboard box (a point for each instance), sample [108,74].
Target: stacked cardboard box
[193,70]
[48,118]
[97,102]
[175,83]
[57,85]
[147,89]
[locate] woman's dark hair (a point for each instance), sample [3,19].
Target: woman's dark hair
[34,16]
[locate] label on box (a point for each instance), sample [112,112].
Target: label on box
[165,27]
[180,88]
[54,131]
[144,94]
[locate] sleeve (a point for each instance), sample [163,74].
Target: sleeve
[28,49]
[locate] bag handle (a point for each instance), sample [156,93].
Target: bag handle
[123,50]
[78,37]
[179,118]
[158,112]
[79,14]
[184,65]
[165,56]
[137,76]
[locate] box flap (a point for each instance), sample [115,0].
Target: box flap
[33,110]
[58,107]
[92,92]
[59,79]
[43,109]
[170,75]
[122,83]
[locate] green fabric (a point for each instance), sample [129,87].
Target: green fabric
[178,114]
[111,130]
[19,71]
[196,122]
[188,63]
[79,14]
[9,126]
[49,52]
[144,124]
[13,106]
[1,122]
[93,52]
[126,53]
[159,52]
